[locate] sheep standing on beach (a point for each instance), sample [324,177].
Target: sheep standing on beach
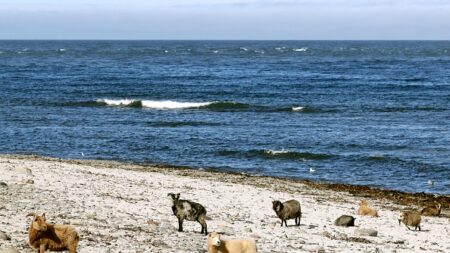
[432,210]
[45,236]
[188,210]
[411,218]
[217,245]
[364,209]
[288,210]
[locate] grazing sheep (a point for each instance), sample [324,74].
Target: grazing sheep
[345,221]
[288,210]
[364,209]
[45,236]
[432,210]
[411,218]
[188,210]
[217,245]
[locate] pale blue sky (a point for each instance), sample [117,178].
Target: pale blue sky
[225,19]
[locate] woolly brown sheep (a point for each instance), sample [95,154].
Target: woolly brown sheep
[288,210]
[45,236]
[188,210]
[411,218]
[432,210]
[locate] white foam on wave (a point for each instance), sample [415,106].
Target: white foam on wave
[244,48]
[298,108]
[303,49]
[62,50]
[275,152]
[154,104]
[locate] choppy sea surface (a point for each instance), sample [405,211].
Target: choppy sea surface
[369,113]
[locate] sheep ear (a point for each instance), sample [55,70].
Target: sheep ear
[31,215]
[43,216]
[178,196]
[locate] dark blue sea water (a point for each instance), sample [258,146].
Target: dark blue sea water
[369,113]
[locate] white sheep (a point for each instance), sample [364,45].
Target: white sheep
[217,245]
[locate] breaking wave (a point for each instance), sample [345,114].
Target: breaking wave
[276,154]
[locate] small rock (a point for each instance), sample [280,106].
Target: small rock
[153,223]
[3,184]
[4,236]
[320,249]
[29,181]
[10,250]
[248,230]
[21,170]
[222,229]
[345,221]
[365,232]
[255,236]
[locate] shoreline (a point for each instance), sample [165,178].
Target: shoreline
[123,207]
[401,197]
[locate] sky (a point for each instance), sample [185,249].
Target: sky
[226,19]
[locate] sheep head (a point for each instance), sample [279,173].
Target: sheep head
[174,197]
[277,205]
[214,239]
[39,222]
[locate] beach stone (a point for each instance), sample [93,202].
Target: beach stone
[345,221]
[248,230]
[222,229]
[21,170]
[320,249]
[365,232]
[3,184]
[10,250]
[4,236]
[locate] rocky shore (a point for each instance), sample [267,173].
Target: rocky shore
[120,207]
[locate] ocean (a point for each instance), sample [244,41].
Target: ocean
[371,113]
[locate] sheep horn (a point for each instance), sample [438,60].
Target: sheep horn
[30,214]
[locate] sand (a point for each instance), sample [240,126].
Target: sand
[118,207]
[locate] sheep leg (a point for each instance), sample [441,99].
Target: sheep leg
[285,223]
[281,222]
[180,225]
[42,248]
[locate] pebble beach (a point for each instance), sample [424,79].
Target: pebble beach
[122,207]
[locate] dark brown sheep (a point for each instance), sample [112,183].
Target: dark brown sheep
[288,210]
[45,236]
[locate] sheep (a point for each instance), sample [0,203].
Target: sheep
[411,218]
[345,221]
[217,245]
[288,210]
[46,236]
[364,209]
[432,210]
[188,210]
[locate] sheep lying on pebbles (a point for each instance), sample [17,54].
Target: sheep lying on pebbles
[432,210]
[188,210]
[46,236]
[345,221]
[364,209]
[218,245]
[288,210]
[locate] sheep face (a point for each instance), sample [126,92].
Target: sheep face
[39,223]
[214,239]
[400,218]
[363,203]
[277,206]
[174,197]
